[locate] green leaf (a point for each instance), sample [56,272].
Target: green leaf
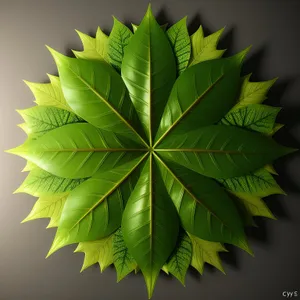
[100,251]
[255,117]
[95,92]
[49,94]
[117,42]
[254,92]
[206,252]
[29,166]
[135,27]
[149,71]
[150,224]
[205,48]
[94,209]
[204,207]
[123,260]
[93,48]
[254,205]
[41,119]
[48,207]
[78,150]
[258,184]
[220,151]
[40,183]
[180,260]
[179,38]
[197,92]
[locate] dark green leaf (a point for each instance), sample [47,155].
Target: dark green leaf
[96,92]
[149,71]
[94,209]
[220,151]
[204,207]
[150,224]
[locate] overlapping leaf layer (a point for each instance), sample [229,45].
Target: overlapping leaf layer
[149,150]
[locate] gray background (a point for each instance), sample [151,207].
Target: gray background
[25,26]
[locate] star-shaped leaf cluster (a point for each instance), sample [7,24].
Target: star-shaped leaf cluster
[150,150]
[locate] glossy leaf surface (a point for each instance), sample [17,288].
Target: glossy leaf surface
[221,151]
[94,209]
[78,150]
[199,89]
[150,224]
[149,72]
[204,208]
[96,92]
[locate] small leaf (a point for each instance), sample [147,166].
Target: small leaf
[94,210]
[205,48]
[257,184]
[180,260]
[96,93]
[255,117]
[254,92]
[48,207]
[165,269]
[254,205]
[93,48]
[49,94]
[117,42]
[99,251]
[150,224]
[29,166]
[206,252]
[123,260]
[149,72]
[41,119]
[179,38]
[40,183]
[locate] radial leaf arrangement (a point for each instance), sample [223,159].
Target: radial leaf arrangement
[149,150]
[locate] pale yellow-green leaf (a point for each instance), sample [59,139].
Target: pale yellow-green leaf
[255,205]
[93,48]
[99,251]
[48,207]
[48,94]
[205,48]
[206,252]
[270,168]
[165,269]
[29,166]
[254,92]
[276,127]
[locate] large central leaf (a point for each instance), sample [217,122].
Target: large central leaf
[150,223]
[149,71]
[221,151]
[79,150]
